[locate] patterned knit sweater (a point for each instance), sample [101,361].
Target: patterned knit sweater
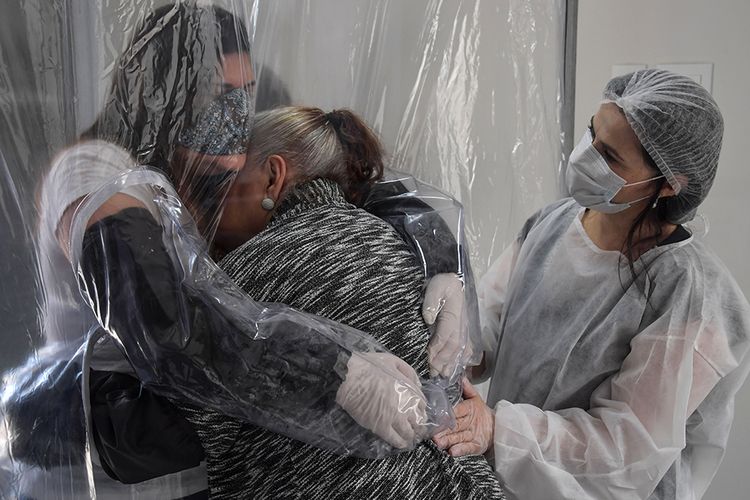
[322,255]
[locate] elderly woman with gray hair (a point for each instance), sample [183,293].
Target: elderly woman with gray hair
[311,247]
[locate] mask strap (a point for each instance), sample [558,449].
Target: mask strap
[643,182]
[631,203]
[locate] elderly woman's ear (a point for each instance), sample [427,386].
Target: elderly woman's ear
[276,176]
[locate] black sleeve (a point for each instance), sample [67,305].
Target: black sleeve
[428,235]
[185,344]
[421,226]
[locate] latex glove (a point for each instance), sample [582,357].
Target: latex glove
[382,393]
[475,426]
[444,305]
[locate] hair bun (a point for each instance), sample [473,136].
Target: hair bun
[336,118]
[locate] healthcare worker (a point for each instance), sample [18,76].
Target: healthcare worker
[615,339]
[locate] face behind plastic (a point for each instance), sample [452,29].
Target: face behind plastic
[446,101]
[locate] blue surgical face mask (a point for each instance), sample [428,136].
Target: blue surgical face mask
[592,183]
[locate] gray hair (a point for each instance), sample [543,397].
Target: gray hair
[338,146]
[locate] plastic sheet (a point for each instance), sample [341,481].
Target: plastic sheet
[465,96]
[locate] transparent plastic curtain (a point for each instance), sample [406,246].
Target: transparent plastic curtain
[465,95]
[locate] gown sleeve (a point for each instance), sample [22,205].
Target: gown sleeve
[635,426]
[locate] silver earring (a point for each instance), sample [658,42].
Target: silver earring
[655,203]
[268,204]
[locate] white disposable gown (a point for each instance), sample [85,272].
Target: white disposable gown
[602,389]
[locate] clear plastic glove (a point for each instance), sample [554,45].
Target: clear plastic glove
[475,426]
[445,306]
[382,393]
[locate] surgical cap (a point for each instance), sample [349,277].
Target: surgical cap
[680,126]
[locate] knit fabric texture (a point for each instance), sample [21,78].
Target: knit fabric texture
[324,256]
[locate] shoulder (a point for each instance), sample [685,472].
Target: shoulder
[78,171]
[336,228]
[373,235]
[86,165]
[557,212]
[93,156]
[691,279]
[691,263]
[691,287]
[329,237]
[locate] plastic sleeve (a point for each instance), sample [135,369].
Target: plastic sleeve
[193,337]
[431,222]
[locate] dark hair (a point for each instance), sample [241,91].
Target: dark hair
[338,146]
[363,153]
[162,76]
[653,207]
[272,92]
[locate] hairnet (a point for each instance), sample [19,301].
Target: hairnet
[679,125]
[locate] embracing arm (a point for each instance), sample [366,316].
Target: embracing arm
[432,225]
[191,334]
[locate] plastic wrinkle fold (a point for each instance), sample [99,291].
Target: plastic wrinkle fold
[155,308]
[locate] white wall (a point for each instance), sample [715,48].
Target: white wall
[688,31]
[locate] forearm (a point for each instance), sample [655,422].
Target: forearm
[575,454]
[193,335]
[269,365]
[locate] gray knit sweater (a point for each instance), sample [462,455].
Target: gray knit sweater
[324,256]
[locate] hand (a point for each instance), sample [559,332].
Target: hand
[475,426]
[449,345]
[382,393]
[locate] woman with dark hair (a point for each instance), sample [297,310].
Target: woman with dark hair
[160,92]
[125,268]
[139,126]
[616,340]
[184,65]
[297,235]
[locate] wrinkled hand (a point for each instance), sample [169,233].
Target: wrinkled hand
[475,426]
[382,393]
[444,302]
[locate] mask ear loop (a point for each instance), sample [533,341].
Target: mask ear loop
[631,203]
[644,181]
